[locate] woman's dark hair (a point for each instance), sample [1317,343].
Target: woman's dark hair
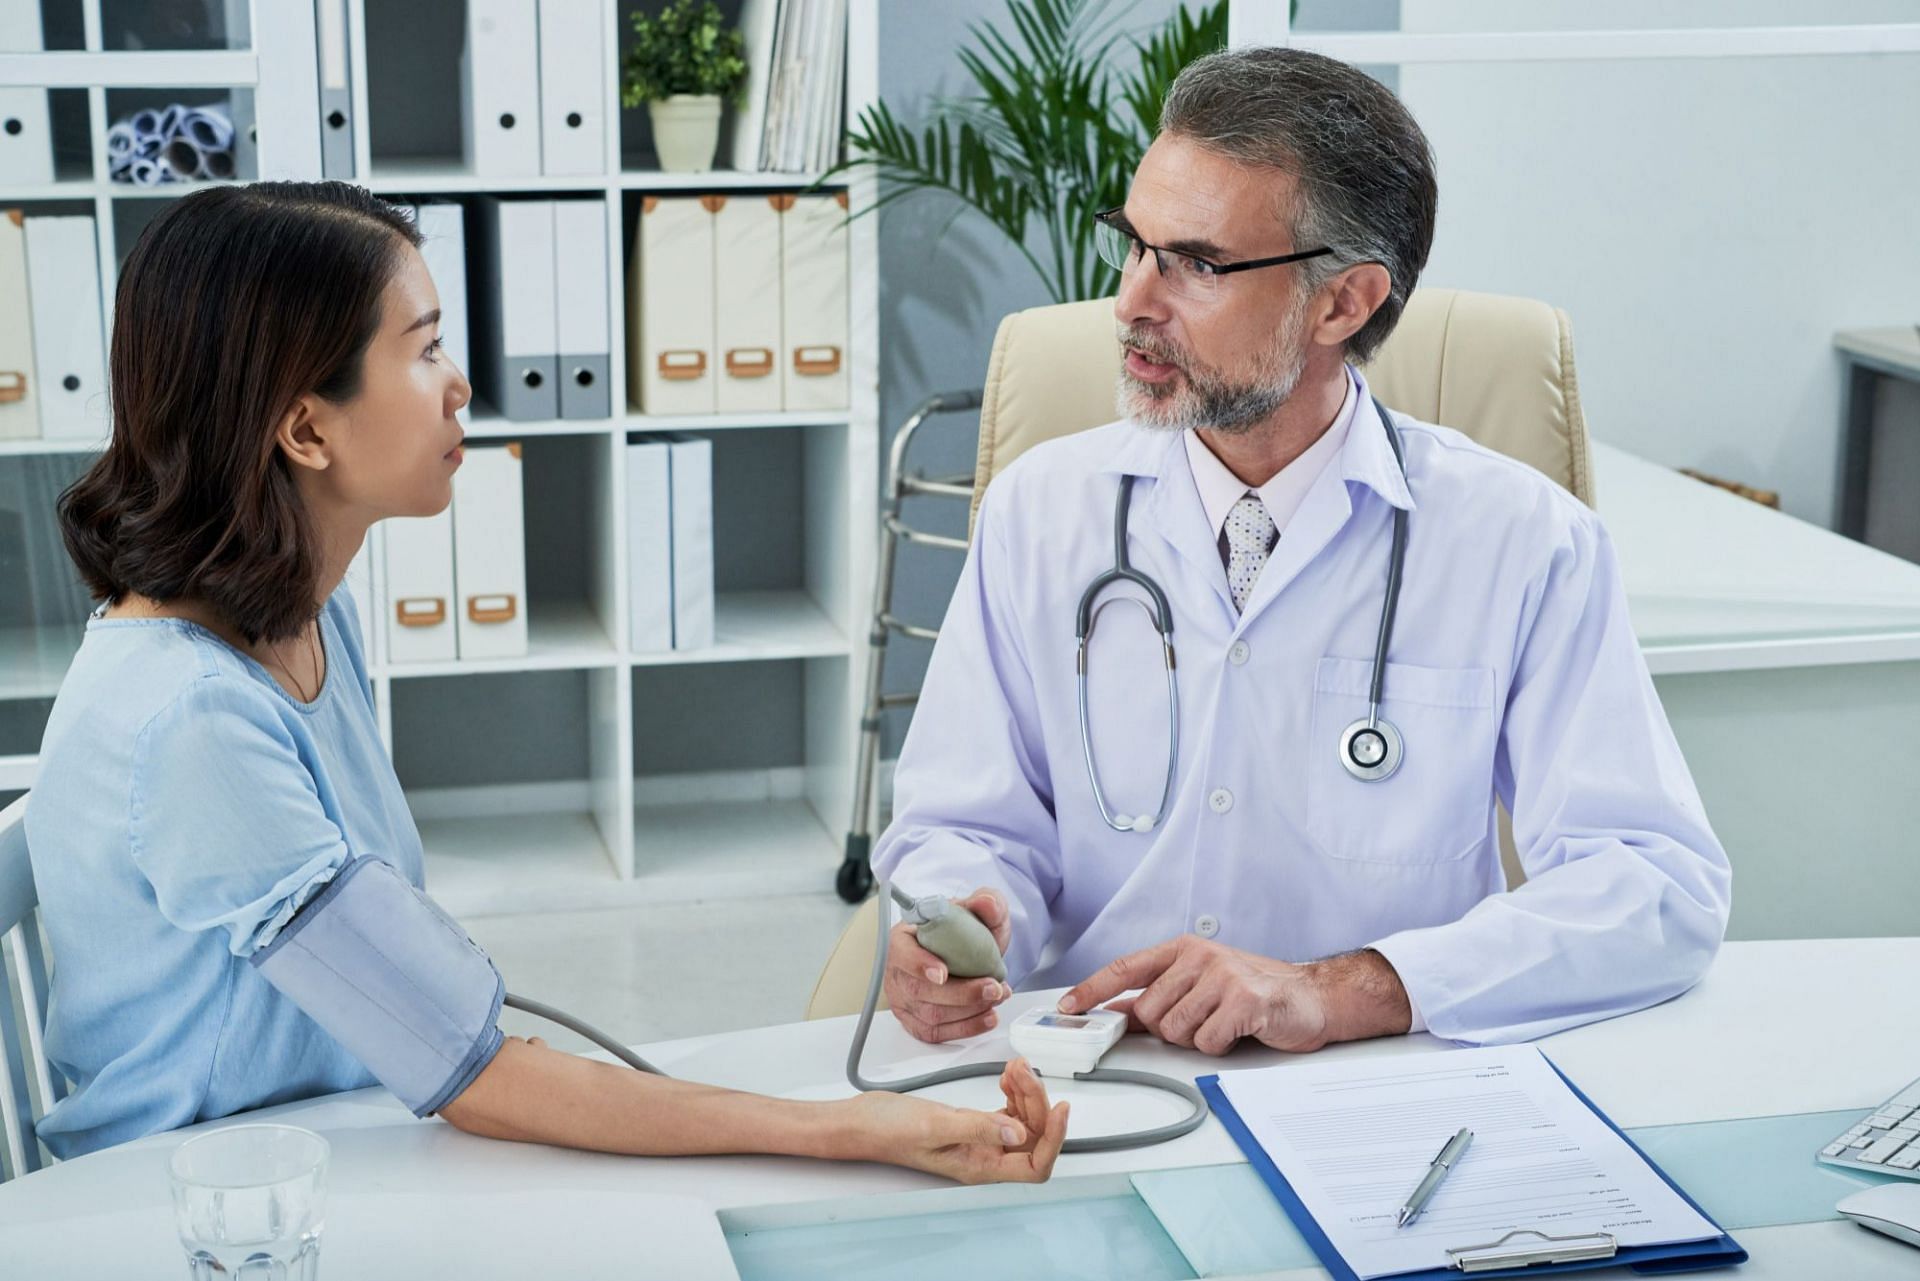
[234,303]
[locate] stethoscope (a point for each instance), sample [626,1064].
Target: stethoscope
[1370,749]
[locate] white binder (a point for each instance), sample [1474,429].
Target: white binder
[418,618]
[26,127]
[277,124]
[19,380]
[690,464]
[670,307]
[336,88]
[490,554]
[813,302]
[649,546]
[515,326]
[444,250]
[750,119]
[500,89]
[573,131]
[580,288]
[63,285]
[746,259]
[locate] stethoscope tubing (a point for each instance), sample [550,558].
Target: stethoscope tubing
[1160,611]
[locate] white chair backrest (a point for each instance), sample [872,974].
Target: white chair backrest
[28,1084]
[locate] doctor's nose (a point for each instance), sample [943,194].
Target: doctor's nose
[1142,297]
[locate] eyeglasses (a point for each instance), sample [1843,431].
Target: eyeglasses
[1186,275]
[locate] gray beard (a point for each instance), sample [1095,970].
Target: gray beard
[1202,398]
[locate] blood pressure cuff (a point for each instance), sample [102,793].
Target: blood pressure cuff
[393,979]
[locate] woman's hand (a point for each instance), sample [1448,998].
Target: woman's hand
[1015,1145]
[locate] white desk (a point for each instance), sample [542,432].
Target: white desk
[1788,660]
[1777,1027]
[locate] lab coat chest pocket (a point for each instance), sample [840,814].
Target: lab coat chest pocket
[1438,805]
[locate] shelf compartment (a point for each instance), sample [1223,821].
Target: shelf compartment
[758,626]
[644,179]
[562,635]
[443,174]
[732,850]
[634,420]
[558,862]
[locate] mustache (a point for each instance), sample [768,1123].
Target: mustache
[1152,347]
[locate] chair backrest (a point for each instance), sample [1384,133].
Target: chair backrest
[1499,369]
[28,1084]
[842,985]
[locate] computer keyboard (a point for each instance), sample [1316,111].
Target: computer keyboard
[1888,1141]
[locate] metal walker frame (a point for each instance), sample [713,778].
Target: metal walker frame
[855,879]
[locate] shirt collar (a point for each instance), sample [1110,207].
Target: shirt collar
[1220,489]
[1364,456]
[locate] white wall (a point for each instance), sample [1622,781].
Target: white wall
[1707,223]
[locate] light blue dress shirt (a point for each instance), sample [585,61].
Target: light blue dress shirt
[1514,676]
[186,805]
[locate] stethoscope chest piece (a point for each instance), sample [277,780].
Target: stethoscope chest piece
[1371,748]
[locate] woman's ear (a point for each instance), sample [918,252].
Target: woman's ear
[304,433]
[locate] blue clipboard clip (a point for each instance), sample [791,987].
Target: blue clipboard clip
[1541,1247]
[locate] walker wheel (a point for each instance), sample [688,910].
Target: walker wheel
[854,882]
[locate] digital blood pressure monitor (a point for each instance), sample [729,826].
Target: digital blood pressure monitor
[1061,1045]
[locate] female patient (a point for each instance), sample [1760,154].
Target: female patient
[212,762]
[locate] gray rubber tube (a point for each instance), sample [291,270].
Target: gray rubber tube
[588,1030]
[1118,1076]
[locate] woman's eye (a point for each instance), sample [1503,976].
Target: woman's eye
[434,346]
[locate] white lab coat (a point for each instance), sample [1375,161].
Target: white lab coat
[1513,674]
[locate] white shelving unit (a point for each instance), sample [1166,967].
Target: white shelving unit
[609,836]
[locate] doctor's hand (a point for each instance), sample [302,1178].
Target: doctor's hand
[1017,1144]
[1207,996]
[932,1004]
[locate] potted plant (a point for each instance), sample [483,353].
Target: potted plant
[681,61]
[1062,111]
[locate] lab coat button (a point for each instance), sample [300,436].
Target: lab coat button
[1206,926]
[1221,800]
[1239,654]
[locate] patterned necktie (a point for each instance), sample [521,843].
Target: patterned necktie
[1250,538]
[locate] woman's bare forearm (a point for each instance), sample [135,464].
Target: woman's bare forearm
[533,1094]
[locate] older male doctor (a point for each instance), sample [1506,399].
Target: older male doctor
[1271,235]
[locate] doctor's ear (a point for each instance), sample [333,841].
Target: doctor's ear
[1348,301]
[305,431]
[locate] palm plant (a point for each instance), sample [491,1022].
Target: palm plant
[1060,120]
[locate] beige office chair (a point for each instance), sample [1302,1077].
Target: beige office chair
[1499,369]
[28,1084]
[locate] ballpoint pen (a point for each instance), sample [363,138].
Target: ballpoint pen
[1442,1162]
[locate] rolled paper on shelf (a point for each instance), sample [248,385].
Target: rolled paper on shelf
[174,144]
[181,159]
[209,128]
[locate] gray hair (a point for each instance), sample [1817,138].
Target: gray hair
[1363,169]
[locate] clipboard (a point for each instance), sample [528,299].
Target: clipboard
[1524,1252]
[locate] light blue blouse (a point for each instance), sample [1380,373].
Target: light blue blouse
[186,806]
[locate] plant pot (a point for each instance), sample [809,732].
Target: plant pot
[686,131]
